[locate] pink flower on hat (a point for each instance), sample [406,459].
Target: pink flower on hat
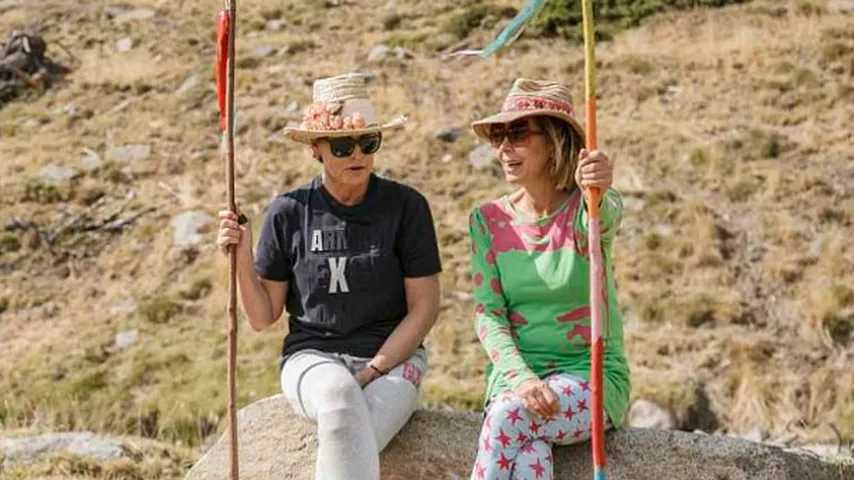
[320,116]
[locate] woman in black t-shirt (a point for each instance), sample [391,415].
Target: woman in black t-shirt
[353,257]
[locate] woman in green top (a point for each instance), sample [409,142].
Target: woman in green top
[531,275]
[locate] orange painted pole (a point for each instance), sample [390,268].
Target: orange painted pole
[597,274]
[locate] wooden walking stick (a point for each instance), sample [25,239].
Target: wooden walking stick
[226,27]
[597,418]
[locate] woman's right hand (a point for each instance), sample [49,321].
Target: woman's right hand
[538,398]
[232,233]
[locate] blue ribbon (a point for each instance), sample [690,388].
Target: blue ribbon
[514,29]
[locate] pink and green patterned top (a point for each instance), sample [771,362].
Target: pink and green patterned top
[532,290]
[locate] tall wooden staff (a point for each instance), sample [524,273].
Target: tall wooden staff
[226,26]
[597,419]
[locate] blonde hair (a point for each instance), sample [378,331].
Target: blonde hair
[564,145]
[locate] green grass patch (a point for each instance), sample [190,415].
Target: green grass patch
[477,16]
[563,17]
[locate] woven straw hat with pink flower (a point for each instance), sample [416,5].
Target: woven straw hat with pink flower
[340,108]
[529,98]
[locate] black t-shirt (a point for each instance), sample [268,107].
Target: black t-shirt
[345,265]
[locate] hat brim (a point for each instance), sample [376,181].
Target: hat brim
[300,135]
[481,127]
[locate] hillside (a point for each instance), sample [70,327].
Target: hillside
[735,154]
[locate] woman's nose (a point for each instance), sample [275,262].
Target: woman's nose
[504,145]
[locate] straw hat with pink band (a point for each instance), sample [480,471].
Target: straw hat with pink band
[340,108]
[529,98]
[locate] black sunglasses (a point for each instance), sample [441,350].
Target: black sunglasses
[343,147]
[516,133]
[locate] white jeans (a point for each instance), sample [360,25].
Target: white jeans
[353,424]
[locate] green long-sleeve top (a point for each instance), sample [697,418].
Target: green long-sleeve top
[532,294]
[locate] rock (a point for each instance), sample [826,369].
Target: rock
[72,110]
[125,306]
[134,15]
[379,53]
[189,84]
[129,153]
[124,45]
[263,51]
[449,135]
[91,161]
[277,444]
[189,227]
[292,107]
[482,157]
[126,339]
[647,414]
[756,434]
[382,53]
[366,74]
[15,450]
[275,25]
[56,174]
[841,6]
[446,158]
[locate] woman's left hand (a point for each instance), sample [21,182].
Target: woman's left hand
[365,376]
[594,170]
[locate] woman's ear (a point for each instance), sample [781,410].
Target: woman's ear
[315,152]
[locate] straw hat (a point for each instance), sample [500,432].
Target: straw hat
[340,108]
[529,98]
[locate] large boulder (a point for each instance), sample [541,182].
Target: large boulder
[275,443]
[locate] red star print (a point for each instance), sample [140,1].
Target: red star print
[513,416]
[585,386]
[487,446]
[538,468]
[504,463]
[528,448]
[534,428]
[578,433]
[569,414]
[496,285]
[560,435]
[522,438]
[490,257]
[582,405]
[503,439]
[567,390]
[480,470]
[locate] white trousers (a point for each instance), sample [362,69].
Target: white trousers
[353,424]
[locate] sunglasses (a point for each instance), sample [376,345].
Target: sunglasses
[516,133]
[343,147]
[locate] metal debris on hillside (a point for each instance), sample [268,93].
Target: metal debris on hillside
[23,65]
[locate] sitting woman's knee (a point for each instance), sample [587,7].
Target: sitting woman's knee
[342,391]
[506,410]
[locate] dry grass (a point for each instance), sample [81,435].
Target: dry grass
[734,149]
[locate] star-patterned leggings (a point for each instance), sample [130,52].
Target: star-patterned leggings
[516,444]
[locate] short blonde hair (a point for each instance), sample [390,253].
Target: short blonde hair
[564,145]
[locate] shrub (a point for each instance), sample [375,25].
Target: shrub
[564,17]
